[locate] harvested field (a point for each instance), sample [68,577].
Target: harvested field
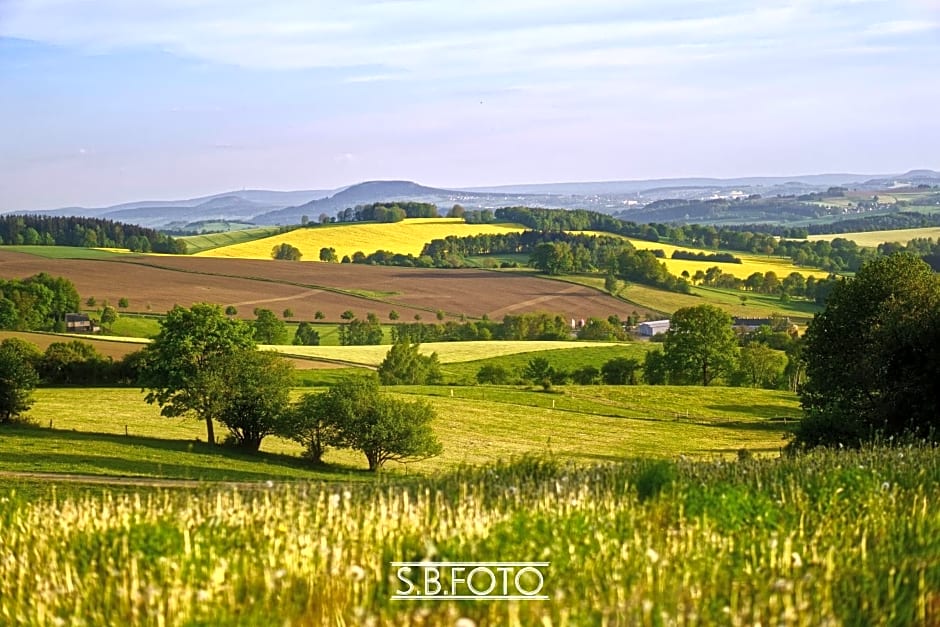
[162,281]
[108,348]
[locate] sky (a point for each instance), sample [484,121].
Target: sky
[107,101]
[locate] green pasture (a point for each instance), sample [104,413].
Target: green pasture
[577,356]
[113,432]
[72,252]
[209,241]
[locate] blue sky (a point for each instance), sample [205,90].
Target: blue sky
[105,101]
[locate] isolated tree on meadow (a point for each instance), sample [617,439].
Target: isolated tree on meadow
[177,367]
[873,357]
[328,254]
[700,346]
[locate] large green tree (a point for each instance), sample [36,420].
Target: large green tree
[177,368]
[381,427]
[17,380]
[873,356]
[306,335]
[269,329]
[257,400]
[310,423]
[700,345]
[760,366]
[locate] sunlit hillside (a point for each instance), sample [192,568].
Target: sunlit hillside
[408,236]
[873,238]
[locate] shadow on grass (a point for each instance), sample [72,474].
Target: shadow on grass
[765,426]
[759,411]
[204,458]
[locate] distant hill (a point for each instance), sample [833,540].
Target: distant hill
[240,205]
[627,199]
[371,192]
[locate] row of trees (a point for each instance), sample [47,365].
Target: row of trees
[526,326]
[387,212]
[794,284]
[205,364]
[39,230]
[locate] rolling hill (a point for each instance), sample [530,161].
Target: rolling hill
[630,197]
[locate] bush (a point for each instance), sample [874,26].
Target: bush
[405,365]
[494,374]
[287,252]
[621,371]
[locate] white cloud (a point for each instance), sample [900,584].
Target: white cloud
[435,39]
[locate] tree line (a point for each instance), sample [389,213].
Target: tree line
[387,212]
[36,303]
[39,230]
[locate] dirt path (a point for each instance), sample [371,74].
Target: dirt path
[533,301]
[141,482]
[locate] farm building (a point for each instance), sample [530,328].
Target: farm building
[652,327]
[80,323]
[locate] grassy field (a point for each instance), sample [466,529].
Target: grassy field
[135,326]
[448,352]
[71,252]
[407,236]
[871,239]
[587,354]
[838,538]
[209,241]
[113,432]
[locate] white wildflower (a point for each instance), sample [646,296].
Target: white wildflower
[357,572]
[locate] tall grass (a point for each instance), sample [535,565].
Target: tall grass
[830,538]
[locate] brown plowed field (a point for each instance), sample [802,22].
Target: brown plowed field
[164,281]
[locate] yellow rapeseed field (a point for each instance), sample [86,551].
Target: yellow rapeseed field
[408,236]
[750,263]
[871,239]
[448,352]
